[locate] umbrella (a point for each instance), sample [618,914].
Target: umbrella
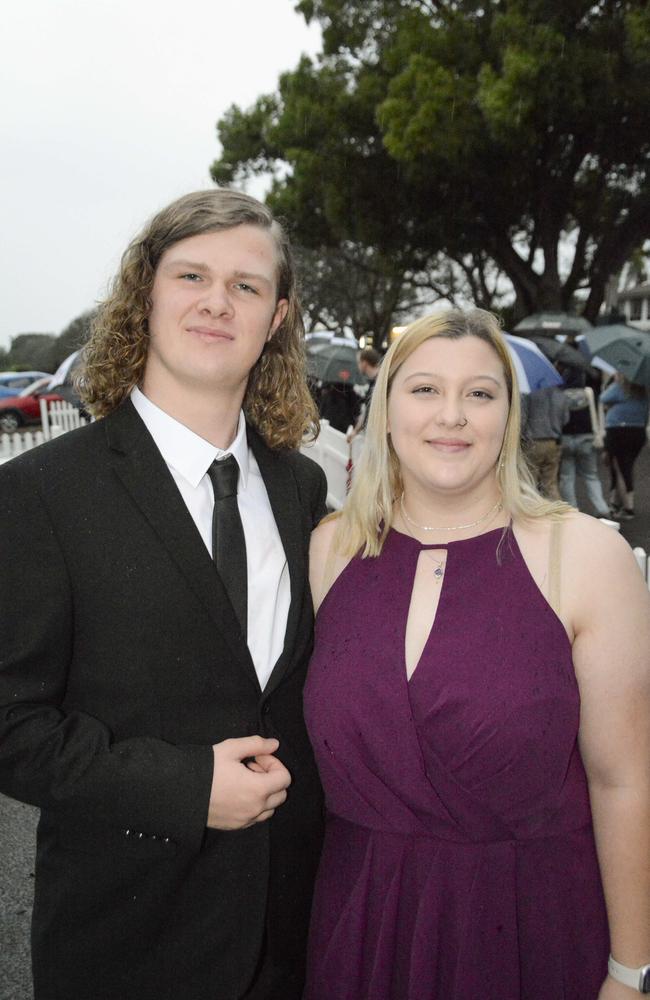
[534,370]
[319,337]
[334,362]
[550,323]
[623,347]
[562,354]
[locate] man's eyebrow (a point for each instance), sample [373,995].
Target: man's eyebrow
[471,378]
[191,265]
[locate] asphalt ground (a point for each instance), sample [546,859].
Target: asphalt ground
[18,821]
[17,837]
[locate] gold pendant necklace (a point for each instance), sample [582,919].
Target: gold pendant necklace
[456,527]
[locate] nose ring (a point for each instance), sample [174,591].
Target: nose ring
[464,423]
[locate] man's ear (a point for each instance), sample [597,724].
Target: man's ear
[281,311]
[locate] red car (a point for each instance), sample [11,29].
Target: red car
[16,411]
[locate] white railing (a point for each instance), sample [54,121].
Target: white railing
[59,417]
[643,560]
[336,457]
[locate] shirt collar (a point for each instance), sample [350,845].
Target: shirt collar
[184,450]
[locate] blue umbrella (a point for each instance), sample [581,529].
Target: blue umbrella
[534,370]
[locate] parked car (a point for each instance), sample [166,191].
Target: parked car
[17,411]
[11,383]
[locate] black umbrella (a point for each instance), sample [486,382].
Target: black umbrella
[547,324]
[562,354]
[334,363]
[623,347]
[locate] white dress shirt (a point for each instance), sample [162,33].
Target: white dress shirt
[188,458]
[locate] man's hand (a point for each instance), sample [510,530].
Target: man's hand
[244,794]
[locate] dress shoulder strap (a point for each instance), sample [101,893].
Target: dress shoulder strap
[554,567]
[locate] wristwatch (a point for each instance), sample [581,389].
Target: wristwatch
[638,979]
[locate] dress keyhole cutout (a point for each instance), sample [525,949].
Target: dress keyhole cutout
[423,608]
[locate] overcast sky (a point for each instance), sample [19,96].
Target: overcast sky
[109,113]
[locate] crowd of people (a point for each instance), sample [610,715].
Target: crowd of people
[563,436]
[436,790]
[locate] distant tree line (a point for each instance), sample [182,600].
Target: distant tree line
[44,352]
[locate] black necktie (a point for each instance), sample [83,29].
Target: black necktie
[228,543]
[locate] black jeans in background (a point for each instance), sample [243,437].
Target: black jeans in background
[623,445]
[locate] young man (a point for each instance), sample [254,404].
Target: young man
[154,632]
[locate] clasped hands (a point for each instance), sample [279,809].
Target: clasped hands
[248,783]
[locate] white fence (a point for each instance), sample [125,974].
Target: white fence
[59,417]
[56,418]
[15,444]
[337,459]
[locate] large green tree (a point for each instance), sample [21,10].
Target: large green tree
[512,131]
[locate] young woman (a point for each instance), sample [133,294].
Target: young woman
[479,705]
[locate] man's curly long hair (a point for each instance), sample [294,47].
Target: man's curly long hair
[277,401]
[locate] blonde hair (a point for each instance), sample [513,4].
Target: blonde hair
[367,515]
[277,400]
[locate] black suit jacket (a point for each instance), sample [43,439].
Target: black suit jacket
[121,663]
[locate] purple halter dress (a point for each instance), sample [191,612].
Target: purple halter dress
[459,860]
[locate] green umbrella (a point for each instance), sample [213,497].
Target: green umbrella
[623,347]
[558,353]
[549,323]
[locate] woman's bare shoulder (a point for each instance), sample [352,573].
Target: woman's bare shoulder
[579,534]
[601,578]
[594,541]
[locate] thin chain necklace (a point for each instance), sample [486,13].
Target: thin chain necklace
[456,527]
[441,564]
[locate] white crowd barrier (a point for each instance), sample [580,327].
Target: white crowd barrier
[335,456]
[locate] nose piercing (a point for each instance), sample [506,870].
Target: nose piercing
[464,423]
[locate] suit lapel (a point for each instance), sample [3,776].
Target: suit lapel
[282,491]
[145,475]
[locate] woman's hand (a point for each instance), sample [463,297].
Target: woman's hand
[613,990]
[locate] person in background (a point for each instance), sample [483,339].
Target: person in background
[479,705]
[155,631]
[368,362]
[626,419]
[578,446]
[544,414]
[339,404]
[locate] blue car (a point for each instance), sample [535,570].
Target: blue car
[12,383]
